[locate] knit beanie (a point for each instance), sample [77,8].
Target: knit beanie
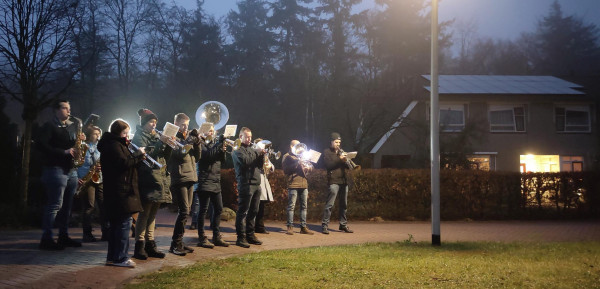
[335,136]
[146,115]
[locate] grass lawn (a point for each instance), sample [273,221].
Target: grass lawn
[397,265]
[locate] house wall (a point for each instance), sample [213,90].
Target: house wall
[540,137]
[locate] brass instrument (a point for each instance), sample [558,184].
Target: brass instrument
[234,144]
[300,150]
[134,148]
[94,176]
[267,146]
[349,163]
[173,143]
[80,148]
[213,112]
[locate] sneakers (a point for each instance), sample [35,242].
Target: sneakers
[345,229]
[218,241]
[324,230]
[290,230]
[305,230]
[204,243]
[127,263]
[241,241]
[253,240]
[177,249]
[50,245]
[65,241]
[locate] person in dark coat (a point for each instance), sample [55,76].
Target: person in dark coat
[154,184]
[182,169]
[121,195]
[335,163]
[59,176]
[209,189]
[247,162]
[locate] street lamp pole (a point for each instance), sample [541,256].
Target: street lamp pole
[435,134]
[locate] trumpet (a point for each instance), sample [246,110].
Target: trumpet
[234,144]
[175,144]
[349,163]
[134,148]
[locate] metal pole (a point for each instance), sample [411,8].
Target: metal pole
[435,134]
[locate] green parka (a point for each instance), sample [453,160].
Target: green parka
[153,182]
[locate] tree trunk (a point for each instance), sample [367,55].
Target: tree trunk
[24,177]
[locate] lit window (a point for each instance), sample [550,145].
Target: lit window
[505,118]
[540,163]
[572,118]
[480,162]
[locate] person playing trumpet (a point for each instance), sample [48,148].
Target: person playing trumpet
[335,163]
[182,169]
[153,184]
[266,193]
[247,162]
[209,187]
[295,174]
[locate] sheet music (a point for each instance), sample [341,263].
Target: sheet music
[230,130]
[351,155]
[170,130]
[205,127]
[314,156]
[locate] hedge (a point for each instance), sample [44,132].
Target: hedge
[393,194]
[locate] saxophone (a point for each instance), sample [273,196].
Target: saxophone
[93,176]
[80,148]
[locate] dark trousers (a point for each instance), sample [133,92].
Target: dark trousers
[260,216]
[183,194]
[92,195]
[248,203]
[216,200]
[118,238]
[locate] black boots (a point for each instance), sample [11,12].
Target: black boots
[241,241]
[152,251]
[66,241]
[139,251]
[253,240]
[177,249]
[50,245]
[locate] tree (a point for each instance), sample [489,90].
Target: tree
[564,45]
[34,36]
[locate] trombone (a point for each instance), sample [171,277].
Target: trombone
[134,148]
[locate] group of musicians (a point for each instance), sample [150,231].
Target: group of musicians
[138,175]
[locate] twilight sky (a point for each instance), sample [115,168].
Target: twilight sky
[504,19]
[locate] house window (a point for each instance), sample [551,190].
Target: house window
[484,162]
[452,117]
[507,118]
[572,118]
[571,163]
[540,163]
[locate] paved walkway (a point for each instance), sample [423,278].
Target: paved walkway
[23,265]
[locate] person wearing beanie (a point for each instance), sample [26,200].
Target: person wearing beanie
[153,183]
[335,163]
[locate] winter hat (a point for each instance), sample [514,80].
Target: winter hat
[335,136]
[146,115]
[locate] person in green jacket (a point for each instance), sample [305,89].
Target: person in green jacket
[153,184]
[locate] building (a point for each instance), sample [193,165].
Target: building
[506,123]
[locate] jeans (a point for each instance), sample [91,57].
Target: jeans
[183,195]
[118,238]
[248,201]
[146,221]
[91,195]
[292,196]
[60,189]
[216,201]
[343,203]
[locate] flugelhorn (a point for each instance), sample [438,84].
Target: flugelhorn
[349,163]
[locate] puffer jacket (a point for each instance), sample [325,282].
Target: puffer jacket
[120,178]
[153,182]
[182,164]
[209,167]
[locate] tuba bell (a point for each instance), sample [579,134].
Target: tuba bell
[213,112]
